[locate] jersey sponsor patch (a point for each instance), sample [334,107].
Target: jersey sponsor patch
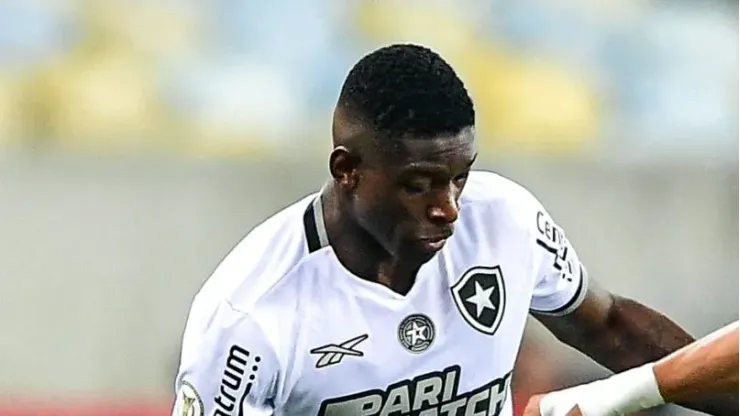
[416,333]
[552,239]
[431,394]
[188,401]
[238,376]
[561,262]
[480,296]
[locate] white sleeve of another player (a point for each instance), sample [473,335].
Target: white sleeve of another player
[227,367]
[561,282]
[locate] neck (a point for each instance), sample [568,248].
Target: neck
[358,251]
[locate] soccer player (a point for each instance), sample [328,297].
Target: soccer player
[359,299]
[699,370]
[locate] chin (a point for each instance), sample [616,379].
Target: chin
[425,257]
[417,253]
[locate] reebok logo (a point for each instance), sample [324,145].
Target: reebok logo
[333,353]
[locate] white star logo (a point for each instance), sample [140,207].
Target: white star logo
[469,290]
[481,299]
[417,333]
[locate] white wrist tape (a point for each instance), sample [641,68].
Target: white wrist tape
[619,394]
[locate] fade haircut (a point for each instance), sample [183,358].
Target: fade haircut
[407,90]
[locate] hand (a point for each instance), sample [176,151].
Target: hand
[533,408]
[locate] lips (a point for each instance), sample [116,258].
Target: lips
[438,237]
[435,243]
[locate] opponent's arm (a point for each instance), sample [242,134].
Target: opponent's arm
[701,369]
[227,366]
[698,370]
[620,333]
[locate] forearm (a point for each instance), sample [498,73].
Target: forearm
[632,335]
[637,335]
[701,370]
[620,334]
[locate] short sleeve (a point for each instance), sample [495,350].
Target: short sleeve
[227,366]
[561,282]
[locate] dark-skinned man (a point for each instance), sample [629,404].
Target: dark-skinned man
[403,286]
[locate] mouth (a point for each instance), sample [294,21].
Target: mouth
[434,243]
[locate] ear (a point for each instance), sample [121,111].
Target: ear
[343,166]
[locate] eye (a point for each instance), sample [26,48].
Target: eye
[415,187]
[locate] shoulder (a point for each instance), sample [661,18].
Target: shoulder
[500,199]
[257,265]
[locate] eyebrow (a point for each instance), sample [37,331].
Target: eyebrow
[433,167]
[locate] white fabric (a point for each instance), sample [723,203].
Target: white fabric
[333,344]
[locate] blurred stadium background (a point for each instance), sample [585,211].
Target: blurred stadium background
[139,140]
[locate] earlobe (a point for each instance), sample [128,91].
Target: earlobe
[343,168]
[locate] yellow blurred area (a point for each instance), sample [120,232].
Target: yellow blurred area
[103,95]
[99,94]
[522,103]
[13,123]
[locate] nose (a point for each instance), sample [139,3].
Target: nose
[444,209]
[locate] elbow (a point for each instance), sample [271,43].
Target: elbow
[606,324]
[608,335]
[593,325]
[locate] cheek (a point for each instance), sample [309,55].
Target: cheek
[384,216]
[400,217]
[381,209]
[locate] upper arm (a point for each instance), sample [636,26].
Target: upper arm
[561,281]
[227,365]
[590,317]
[564,298]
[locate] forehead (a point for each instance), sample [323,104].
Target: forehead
[440,150]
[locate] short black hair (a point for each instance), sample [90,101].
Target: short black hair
[407,90]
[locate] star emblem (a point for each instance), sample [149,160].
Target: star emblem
[417,333]
[480,296]
[481,299]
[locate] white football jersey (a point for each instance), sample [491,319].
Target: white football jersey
[282,328]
